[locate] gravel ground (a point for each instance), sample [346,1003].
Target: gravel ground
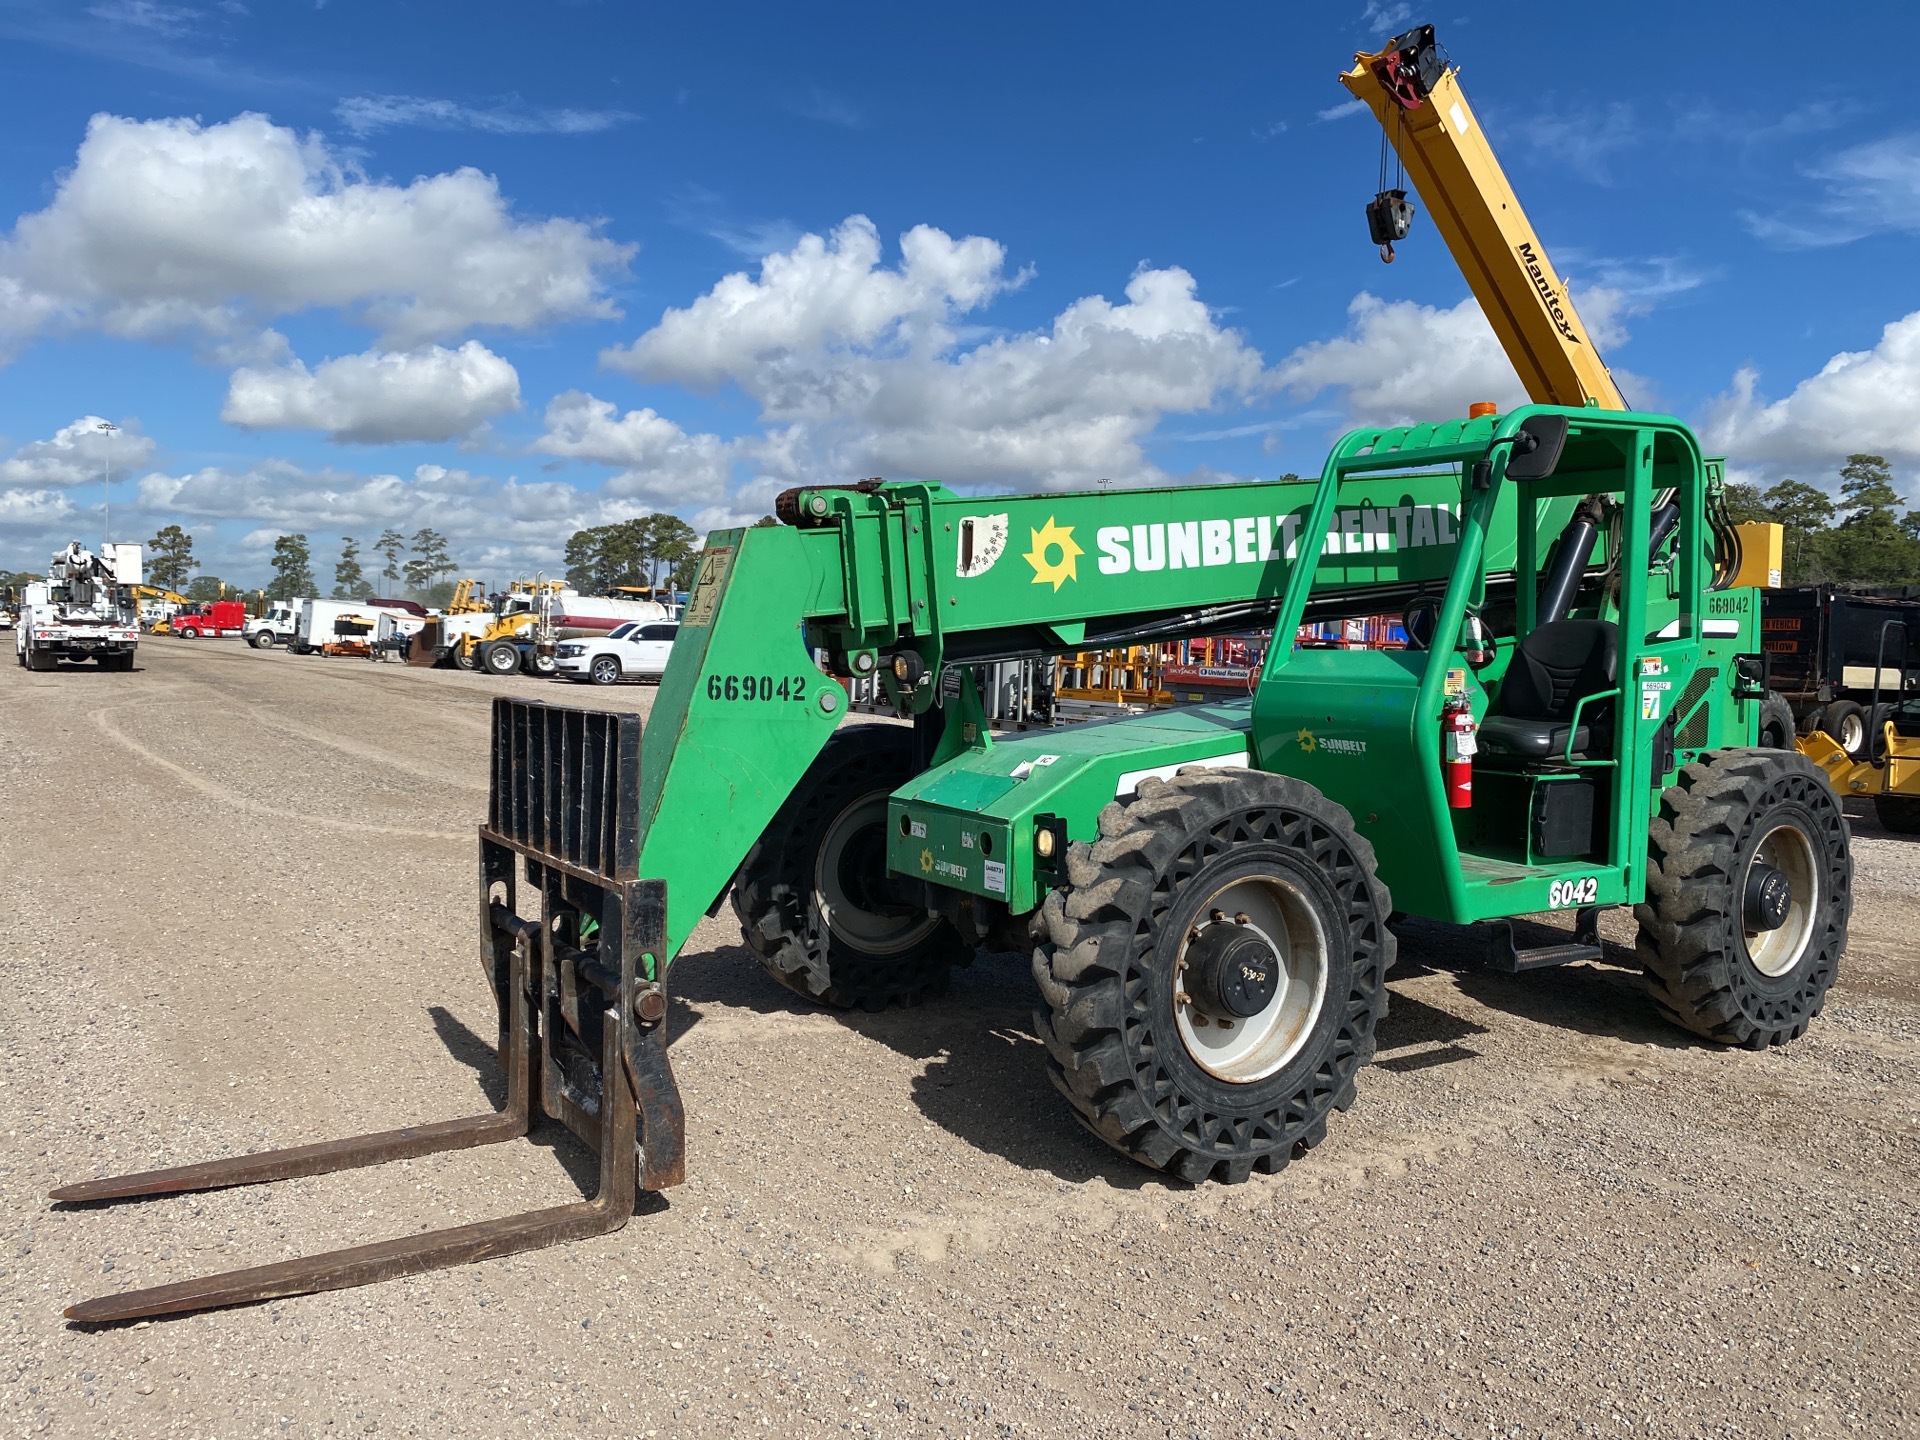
[238,888]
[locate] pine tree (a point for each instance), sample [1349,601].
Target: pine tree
[349,582]
[292,569]
[390,546]
[170,561]
[1804,514]
[1869,545]
[430,560]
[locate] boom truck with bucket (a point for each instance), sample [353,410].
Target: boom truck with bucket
[84,610]
[1208,892]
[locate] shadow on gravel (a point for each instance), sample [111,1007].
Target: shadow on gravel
[985,1081]
[1604,999]
[1418,1036]
[580,1161]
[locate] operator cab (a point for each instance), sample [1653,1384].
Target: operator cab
[1561,642]
[1550,739]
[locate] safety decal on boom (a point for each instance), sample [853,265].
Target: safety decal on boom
[716,565]
[982,539]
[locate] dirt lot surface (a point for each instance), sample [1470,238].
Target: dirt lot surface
[237,891]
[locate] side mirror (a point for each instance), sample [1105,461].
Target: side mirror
[1536,447]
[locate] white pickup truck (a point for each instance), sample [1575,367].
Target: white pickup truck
[634,651]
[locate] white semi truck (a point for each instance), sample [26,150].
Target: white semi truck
[84,610]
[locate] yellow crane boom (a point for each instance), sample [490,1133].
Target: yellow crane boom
[1416,96]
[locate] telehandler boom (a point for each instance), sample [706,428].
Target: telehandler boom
[1207,891]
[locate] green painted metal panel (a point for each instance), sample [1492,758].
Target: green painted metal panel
[741,712]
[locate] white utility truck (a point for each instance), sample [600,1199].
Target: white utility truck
[279,626]
[84,610]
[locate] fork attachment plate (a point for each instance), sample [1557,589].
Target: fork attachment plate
[582,1016]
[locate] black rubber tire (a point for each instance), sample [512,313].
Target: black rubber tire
[1898,813]
[1776,723]
[541,667]
[261,640]
[502,657]
[1875,746]
[776,892]
[604,670]
[464,658]
[1845,723]
[1105,971]
[1692,944]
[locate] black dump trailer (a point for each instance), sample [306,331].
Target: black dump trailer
[1834,653]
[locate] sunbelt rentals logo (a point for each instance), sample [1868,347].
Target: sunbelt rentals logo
[1049,540]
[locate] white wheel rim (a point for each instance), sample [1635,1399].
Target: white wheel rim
[1242,1051]
[605,671]
[1853,731]
[875,934]
[1787,849]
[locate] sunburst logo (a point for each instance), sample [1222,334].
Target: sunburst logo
[1306,741]
[1050,537]
[926,862]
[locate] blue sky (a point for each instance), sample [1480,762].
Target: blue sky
[510,268]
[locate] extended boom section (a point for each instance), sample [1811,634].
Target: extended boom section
[1416,96]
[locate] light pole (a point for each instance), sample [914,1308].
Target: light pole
[106,481]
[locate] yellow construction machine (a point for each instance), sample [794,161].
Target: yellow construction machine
[1415,94]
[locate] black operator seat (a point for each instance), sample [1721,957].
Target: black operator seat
[1552,670]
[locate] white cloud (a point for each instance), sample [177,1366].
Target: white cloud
[1584,141]
[170,226]
[380,397]
[823,290]
[1873,188]
[1341,111]
[859,368]
[1860,400]
[50,489]
[494,526]
[829,109]
[1401,361]
[167,20]
[77,454]
[656,458]
[34,511]
[1384,17]
[368,114]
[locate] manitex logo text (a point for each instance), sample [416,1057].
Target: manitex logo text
[1256,539]
[1551,298]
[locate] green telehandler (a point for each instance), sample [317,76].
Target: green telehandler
[1209,892]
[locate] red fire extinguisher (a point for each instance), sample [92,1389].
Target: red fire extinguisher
[1456,751]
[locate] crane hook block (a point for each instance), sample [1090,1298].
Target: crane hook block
[1389,217]
[1410,67]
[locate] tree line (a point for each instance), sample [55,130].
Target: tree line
[1866,538]
[649,550]
[422,563]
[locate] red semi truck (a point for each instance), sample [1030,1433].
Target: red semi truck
[215,618]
